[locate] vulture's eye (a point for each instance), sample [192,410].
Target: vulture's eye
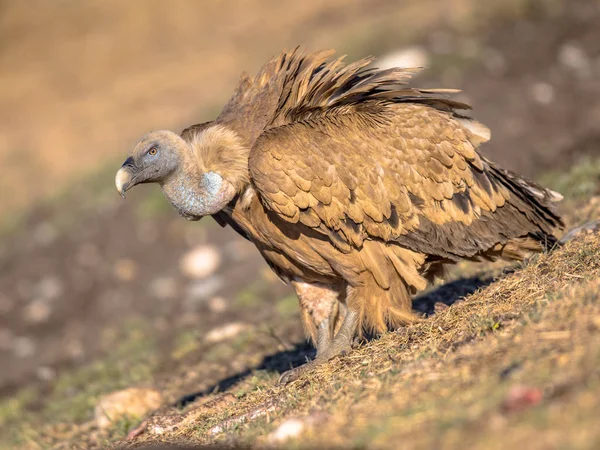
[152,151]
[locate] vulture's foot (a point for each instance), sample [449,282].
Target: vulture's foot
[326,350]
[589,227]
[323,337]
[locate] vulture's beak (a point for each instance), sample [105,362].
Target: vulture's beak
[125,176]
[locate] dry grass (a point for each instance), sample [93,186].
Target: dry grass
[445,381]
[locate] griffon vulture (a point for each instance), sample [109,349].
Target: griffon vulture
[355,188]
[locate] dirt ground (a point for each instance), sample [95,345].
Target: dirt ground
[94,291]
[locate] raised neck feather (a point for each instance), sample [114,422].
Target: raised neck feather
[220,149]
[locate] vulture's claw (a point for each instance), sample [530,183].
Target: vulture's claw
[294,374]
[341,344]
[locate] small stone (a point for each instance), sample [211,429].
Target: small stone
[132,402]
[45,373]
[289,429]
[408,57]
[522,397]
[217,304]
[126,269]
[225,332]
[37,311]
[45,233]
[203,289]
[23,347]
[574,57]
[49,287]
[164,288]
[294,427]
[200,262]
[543,93]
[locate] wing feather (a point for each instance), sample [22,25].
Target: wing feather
[413,176]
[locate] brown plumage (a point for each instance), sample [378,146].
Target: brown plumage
[355,188]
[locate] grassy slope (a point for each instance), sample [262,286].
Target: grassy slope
[444,381]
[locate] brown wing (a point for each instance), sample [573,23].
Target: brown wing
[398,172]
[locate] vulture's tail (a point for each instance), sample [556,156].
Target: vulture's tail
[538,204]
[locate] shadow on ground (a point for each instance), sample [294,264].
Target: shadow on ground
[280,362]
[449,293]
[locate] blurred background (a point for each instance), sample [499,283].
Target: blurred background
[82,272]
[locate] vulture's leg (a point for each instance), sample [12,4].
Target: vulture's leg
[337,317]
[341,343]
[320,311]
[323,336]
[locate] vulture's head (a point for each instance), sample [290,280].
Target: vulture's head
[155,158]
[199,176]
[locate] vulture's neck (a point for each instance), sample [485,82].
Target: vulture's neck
[187,195]
[219,149]
[213,170]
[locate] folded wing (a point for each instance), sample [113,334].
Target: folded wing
[400,172]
